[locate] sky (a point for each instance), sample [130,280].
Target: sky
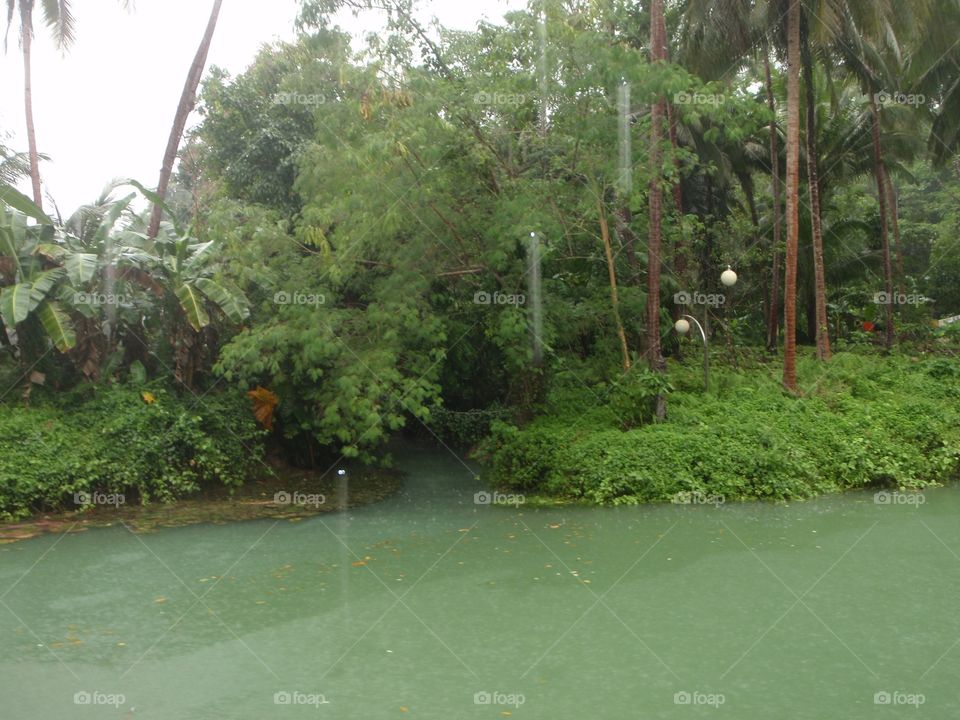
[104,109]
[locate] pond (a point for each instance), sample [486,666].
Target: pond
[429,605]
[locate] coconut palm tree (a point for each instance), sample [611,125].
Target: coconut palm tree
[658,53]
[813,186]
[188,100]
[58,16]
[793,196]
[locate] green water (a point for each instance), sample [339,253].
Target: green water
[799,611]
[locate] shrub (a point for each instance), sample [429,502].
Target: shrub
[111,439]
[866,421]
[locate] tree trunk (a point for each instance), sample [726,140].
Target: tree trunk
[26,31]
[793,197]
[884,233]
[892,201]
[624,219]
[654,355]
[773,322]
[820,285]
[612,272]
[188,100]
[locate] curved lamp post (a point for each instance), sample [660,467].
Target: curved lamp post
[729,278]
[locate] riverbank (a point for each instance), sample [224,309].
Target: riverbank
[280,493]
[861,421]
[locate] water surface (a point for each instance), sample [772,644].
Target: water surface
[430,606]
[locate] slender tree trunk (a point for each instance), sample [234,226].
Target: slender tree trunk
[188,100]
[677,187]
[773,322]
[26,31]
[895,221]
[884,233]
[624,220]
[655,357]
[793,197]
[679,257]
[813,183]
[612,272]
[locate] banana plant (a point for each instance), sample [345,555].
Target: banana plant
[30,280]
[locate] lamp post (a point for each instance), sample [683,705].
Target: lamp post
[729,278]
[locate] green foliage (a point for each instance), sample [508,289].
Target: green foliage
[109,439]
[866,421]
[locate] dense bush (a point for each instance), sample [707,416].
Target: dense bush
[152,445]
[863,421]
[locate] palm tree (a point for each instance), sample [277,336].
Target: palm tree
[58,16]
[793,196]
[813,186]
[658,53]
[773,320]
[188,100]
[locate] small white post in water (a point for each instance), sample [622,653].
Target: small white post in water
[343,491]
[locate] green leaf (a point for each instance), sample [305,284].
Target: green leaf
[15,304]
[58,325]
[138,373]
[42,285]
[18,201]
[233,306]
[191,300]
[116,209]
[81,267]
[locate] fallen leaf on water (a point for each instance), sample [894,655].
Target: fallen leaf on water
[358,563]
[160,600]
[553,527]
[403,708]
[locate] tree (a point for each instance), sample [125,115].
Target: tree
[188,100]
[773,318]
[658,54]
[793,197]
[813,187]
[58,16]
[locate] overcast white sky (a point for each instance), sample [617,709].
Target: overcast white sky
[104,110]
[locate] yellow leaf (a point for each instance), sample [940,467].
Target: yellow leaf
[148,397]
